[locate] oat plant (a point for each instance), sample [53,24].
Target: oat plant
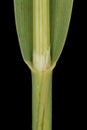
[42,27]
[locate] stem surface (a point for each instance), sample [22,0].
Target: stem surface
[41,100]
[41,78]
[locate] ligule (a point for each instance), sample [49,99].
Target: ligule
[41,35]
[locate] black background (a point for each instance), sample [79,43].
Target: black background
[68,76]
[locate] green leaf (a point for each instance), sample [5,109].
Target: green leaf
[24,24]
[60,14]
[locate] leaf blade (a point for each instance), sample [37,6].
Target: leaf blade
[60,14]
[23,18]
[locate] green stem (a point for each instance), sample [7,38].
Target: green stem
[41,100]
[41,77]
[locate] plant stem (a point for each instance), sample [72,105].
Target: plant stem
[41,78]
[41,100]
